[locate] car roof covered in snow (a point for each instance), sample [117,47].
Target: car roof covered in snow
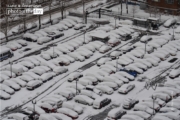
[113,112]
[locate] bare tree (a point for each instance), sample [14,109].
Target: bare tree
[134,10]
[50,14]
[62,7]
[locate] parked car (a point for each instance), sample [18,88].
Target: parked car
[46,76]
[174,73]
[68,112]
[112,85]
[67,94]
[89,94]
[12,85]
[55,34]
[115,54]
[146,38]
[30,37]
[170,22]
[4,95]
[27,64]
[129,103]
[162,96]
[105,89]
[101,102]
[79,26]
[92,88]
[48,108]
[142,114]
[115,114]
[83,99]
[74,76]
[73,106]
[33,84]
[6,89]
[42,40]
[140,107]
[103,49]
[103,61]
[124,89]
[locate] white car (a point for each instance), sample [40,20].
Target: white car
[83,99]
[73,106]
[124,89]
[68,112]
[112,85]
[33,84]
[46,77]
[146,38]
[22,42]
[33,60]
[89,94]
[4,95]
[170,22]
[85,82]
[114,80]
[103,61]
[142,114]
[42,40]
[27,64]
[79,86]
[12,85]
[115,54]
[105,89]
[131,117]
[32,74]
[26,78]
[74,76]
[8,73]
[6,89]
[77,56]
[160,117]
[72,90]
[104,49]
[174,73]
[79,26]
[19,81]
[38,70]
[139,107]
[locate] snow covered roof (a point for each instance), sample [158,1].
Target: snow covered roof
[99,34]
[113,112]
[140,19]
[152,18]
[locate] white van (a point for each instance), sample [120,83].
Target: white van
[15,69]
[18,116]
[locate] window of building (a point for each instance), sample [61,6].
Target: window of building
[156,0]
[170,1]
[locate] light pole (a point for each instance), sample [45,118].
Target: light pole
[153,104]
[117,58]
[76,87]
[10,63]
[34,102]
[84,36]
[173,32]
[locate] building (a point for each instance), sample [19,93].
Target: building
[166,6]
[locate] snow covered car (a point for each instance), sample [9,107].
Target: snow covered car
[79,86]
[114,80]
[156,107]
[77,56]
[142,114]
[161,117]
[73,106]
[47,107]
[60,70]
[104,49]
[124,89]
[8,73]
[121,78]
[73,91]
[129,103]
[55,34]
[46,77]
[32,60]
[83,99]
[30,37]
[26,78]
[4,95]
[89,94]
[54,101]
[112,85]
[174,73]
[113,42]
[115,54]
[162,96]
[146,38]
[19,81]
[176,104]
[74,76]
[115,113]
[22,42]
[92,88]
[12,85]
[18,116]
[170,22]
[131,117]
[12,47]
[103,61]
[42,40]
[101,102]
[85,54]
[140,107]
[79,26]
[68,112]
[105,89]
[38,70]
[67,94]
[134,68]
[27,64]
[6,89]
[32,74]
[33,84]
[85,82]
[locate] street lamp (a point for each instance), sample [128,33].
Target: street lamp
[84,36]
[10,63]
[154,98]
[117,58]
[34,102]
[76,86]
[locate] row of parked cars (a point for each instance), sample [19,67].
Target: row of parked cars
[30,72]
